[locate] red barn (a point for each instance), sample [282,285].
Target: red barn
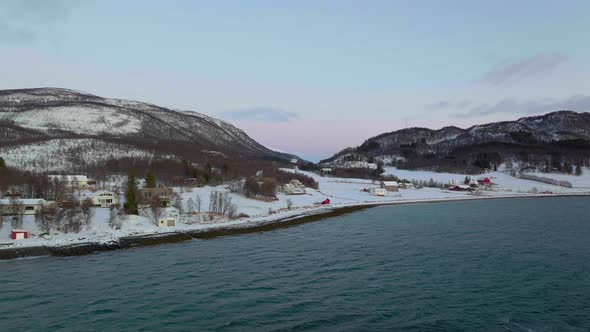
[485,181]
[326,201]
[19,234]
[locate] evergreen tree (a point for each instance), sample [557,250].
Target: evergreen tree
[150,180]
[579,169]
[467,180]
[568,168]
[130,195]
[2,163]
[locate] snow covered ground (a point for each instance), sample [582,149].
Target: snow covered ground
[342,193]
[504,182]
[581,181]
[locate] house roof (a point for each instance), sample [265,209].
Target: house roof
[98,193]
[390,183]
[24,201]
[69,178]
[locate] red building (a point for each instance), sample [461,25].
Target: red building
[485,181]
[19,234]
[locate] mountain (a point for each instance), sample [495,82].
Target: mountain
[563,135]
[38,126]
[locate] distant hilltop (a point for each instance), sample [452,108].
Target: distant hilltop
[553,140]
[55,129]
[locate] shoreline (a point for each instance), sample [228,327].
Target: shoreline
[310,215]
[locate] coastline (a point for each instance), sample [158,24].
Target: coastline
[245,227]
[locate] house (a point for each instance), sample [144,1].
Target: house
[326,170]
[190,182]
[294,187]
[169,218]
[461,187]
[146,195]
[390,185]
[379,192]
[104,198]
[26,206]
[454,182]
[293,161]
[485,181]
[406,185]
[372,166]
[19,234]
[72,181]
[355,164]
[326,201]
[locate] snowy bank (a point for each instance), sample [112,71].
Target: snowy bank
[345,194]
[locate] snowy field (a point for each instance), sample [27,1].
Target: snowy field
[582,181]
[342,192]
[504,182]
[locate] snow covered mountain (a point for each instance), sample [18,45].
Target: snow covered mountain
[48,120]
[565,133]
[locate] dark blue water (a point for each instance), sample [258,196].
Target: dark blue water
[504,265]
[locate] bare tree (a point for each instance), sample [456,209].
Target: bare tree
[177,203]
[198,204]
[232,211]
[46,217]
[213,201]
[190,209]
[190,206]
[114,220]
[87,212]
[17,210]
[71,221]
[156,207]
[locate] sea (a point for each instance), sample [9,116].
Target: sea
[491,265]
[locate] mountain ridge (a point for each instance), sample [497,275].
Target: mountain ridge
[44,114]
[537,136]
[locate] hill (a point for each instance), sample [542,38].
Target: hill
[61,130]
[551,141]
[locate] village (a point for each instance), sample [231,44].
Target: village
[81,209]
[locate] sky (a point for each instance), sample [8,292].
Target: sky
[309,77]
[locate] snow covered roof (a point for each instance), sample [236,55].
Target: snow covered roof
[390,183]
[102,192]
[24,201]
[69,178]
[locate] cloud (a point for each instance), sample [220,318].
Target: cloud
[579,103]
[514,70]
[24,20]
[12,33]
[260,114]
[448,104]
[439,105]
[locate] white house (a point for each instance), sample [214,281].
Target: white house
[71,181]
[26,206]
[390,185]
[379,192]
[169,217]
[294,187]
[104,198]
[406,185]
